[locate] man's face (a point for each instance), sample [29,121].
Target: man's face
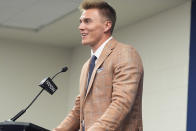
[92,27]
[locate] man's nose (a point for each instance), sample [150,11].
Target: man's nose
[81,26]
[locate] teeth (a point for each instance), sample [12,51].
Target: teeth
[84,34]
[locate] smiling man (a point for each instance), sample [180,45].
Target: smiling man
[111,80]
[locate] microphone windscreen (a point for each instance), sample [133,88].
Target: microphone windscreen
[64,69]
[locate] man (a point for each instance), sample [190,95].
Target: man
[110,92]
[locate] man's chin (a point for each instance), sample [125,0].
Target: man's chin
[85,43]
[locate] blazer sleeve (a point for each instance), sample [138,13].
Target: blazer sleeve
[127,73]
[72,121]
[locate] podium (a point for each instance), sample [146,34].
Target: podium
[20,126]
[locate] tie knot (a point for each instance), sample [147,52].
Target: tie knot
[93,58]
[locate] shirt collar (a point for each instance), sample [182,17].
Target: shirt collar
[100,49]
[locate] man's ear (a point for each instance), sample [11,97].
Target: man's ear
[108,26]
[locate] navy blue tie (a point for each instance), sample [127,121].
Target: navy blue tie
[91,67]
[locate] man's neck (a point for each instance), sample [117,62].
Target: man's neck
[94,48]
[98,52]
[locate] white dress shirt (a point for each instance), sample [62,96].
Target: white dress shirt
[100,49]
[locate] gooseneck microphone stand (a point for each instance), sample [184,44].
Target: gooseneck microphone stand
[24,110]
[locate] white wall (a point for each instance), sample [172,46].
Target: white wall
[79,56]
[163,42]
[23,66]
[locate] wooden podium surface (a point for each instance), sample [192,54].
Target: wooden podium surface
[20,126]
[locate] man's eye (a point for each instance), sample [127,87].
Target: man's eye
[87,21]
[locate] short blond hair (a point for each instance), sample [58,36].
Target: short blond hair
[105,9]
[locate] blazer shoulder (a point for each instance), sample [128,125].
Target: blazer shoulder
[126,53]
[122,47]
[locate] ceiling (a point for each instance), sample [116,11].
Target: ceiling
[55,22]
[34,14]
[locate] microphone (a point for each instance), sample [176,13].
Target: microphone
[64,69]
[46,84]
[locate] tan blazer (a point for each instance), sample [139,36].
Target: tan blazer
[113,101]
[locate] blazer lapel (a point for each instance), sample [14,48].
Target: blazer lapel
[105,53]
[83,81]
